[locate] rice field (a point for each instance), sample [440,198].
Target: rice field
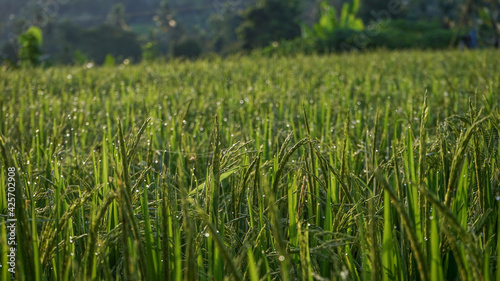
[375,166]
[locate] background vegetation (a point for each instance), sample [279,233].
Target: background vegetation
[77,32]
[377,166]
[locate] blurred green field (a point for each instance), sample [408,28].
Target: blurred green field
[376,166]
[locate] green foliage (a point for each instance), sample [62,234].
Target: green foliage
[109,60]
[394,34]
[70,44]
[270,21]
[104,39]
[187,47]
[116,17]
[30,46]
[370,10]
[214,23]
[80,58]
[150,51]
[328,22]
[400,34]
[8,55]
[224,37]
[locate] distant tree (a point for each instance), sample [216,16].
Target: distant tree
[270,20]
[482,16]
[377,10]
[61,40]
[30,46]
[98,42]
[488,16]
[8,53]
[116,17]
[223,32]
[167,29]
[187,47]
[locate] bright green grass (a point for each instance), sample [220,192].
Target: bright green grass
[381,166]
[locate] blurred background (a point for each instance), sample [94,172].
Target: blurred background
[48,32]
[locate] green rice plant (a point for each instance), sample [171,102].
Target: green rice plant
[371,166]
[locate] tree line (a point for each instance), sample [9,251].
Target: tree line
[72,33]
